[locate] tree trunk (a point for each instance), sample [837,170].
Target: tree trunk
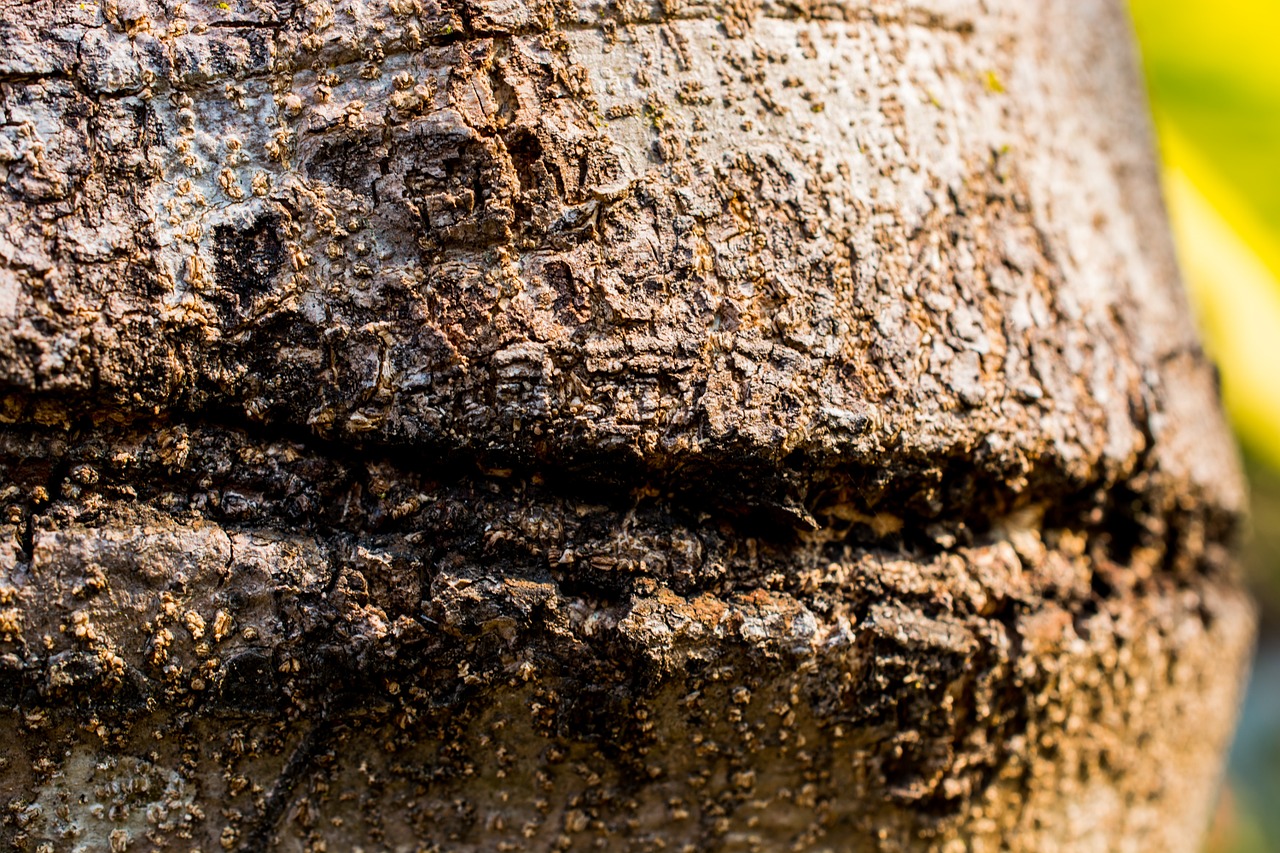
[507,424]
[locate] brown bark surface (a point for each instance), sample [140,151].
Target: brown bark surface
[490,424]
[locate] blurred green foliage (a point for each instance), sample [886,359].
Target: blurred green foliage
[1214,74]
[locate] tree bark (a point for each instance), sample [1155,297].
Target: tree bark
[504,425]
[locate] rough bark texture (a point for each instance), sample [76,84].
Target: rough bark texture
[491,425]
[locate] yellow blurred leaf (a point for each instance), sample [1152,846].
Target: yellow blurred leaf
[1229,260]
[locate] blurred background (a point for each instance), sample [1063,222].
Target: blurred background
[1213,70]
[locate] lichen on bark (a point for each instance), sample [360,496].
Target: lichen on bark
[498,425]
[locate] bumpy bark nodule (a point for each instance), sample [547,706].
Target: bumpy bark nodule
[505,425]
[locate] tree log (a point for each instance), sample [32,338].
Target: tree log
[534,425]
